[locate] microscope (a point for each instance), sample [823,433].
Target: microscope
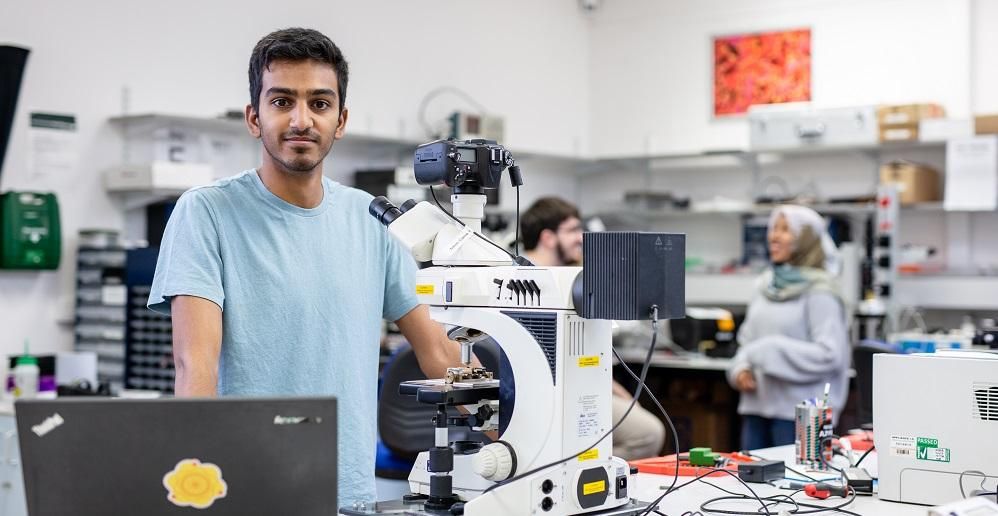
[553,325]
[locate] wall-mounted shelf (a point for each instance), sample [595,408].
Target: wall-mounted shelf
[720,289]
[947,292]
[933,292]
[381,144]
[622,211]
[731,158]
[353,142]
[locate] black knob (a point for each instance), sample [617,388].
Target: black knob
[547,503]
[547,486]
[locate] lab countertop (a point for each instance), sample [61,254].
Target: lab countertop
[671,360]
[689,498]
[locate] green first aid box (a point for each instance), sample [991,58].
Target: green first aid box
[29,231]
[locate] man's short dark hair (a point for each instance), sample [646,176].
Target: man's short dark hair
[546,213]
[295,44]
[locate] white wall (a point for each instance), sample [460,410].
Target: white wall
[984,74]
[525,60]
[651,63]
[632,77]
[652,94]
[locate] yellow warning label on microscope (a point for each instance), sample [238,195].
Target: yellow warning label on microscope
[425,289]
[589,455]
[593,487]
[590,361]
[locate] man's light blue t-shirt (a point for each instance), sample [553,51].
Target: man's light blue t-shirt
[302,292]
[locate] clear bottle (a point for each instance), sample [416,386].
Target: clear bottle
[26,374]
[967,327]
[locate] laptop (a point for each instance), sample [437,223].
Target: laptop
[226,456]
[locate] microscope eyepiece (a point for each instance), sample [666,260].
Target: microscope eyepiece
[383,210]
[407,205]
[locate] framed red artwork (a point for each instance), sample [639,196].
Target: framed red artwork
[761,68]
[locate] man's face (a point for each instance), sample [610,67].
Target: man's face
[299,116]
[569,241]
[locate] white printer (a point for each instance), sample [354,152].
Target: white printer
[935,417]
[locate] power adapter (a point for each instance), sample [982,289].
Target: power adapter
[859,479]
[762,471]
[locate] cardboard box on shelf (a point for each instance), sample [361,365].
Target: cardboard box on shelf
[986,124]
[905,114]
[916,182]
[899,133]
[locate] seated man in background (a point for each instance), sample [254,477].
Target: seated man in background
[552,236]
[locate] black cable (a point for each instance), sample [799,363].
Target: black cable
[661,409]
[516,241]
[719,488]
[698,478]
[812,508]
[424,103]
[461,222]
[634,399]
[864,456]
[821,455]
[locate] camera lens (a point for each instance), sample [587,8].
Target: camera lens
[383,210]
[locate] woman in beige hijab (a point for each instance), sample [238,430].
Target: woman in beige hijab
[794,338]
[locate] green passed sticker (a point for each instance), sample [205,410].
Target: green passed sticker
[928,449]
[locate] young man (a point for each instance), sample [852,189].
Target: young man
[277,278]
[552,236]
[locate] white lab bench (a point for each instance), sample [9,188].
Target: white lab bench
[647,486]
[691,497]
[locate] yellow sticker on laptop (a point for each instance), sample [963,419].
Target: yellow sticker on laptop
[196,484]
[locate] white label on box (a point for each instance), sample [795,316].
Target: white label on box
[899,134]
[896,118]
[115,295]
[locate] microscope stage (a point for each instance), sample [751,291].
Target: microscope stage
[441,393]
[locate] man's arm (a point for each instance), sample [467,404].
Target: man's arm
[197,343]
[434,351]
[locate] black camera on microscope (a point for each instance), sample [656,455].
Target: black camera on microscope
[467,166]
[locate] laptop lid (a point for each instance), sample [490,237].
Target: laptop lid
[225,456]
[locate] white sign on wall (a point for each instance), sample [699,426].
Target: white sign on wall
[972,174]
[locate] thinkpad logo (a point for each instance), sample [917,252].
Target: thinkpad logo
[296,420]
[51,423]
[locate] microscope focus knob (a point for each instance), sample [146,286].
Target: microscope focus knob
[495,461]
